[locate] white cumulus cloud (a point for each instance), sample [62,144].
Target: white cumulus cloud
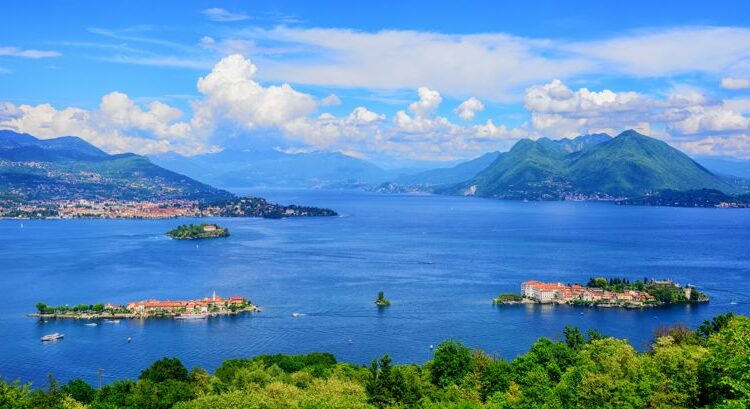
[735,83]
[469,108]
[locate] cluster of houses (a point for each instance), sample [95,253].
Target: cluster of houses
[213,305]
[564,294]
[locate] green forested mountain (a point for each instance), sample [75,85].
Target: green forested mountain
[630,164]
[69,168]
[705,368]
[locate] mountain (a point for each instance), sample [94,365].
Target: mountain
[582,142]
[270,167]
[459,173]
[630,164]
[69,168]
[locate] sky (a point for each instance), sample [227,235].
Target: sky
[387,81]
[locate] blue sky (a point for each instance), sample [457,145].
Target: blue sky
[379,80]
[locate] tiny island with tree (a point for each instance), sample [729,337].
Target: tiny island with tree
[602,292]
[381,301]
[198,231]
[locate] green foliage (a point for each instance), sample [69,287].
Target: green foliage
[709,367]
[165,369]
[381,301]
[507,297]
[197,231]
[707,328]
[79,390]
[451,363]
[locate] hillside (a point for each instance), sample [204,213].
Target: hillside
[628,165]
[69,168]
[467,170]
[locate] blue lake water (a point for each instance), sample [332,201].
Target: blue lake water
[440,260]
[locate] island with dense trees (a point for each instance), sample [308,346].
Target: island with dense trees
[599,291]
[198,231]
[708,367]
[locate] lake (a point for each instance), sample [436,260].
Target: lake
[440,260]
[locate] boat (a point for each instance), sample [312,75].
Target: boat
[111,321]
[90,324]
[191,317]
[297,314]
[52,337]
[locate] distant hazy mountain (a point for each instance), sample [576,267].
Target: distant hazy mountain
[234,168]
[726,166]
[71,168]
[459,173]
[630,164]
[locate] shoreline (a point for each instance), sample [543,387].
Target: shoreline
[527,301]
[135,316]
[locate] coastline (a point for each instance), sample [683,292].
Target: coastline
[136,316]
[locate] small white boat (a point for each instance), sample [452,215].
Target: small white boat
[52,337]
[129,339]
[90,324]
[297,314]
[112,321]
[191,317]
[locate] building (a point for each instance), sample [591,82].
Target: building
[563,294]
[204,305]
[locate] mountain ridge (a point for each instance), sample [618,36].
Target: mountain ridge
[630,164]
[69,168]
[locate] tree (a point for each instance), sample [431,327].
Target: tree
[165,369]
[574,338]
[451,363]
[42,308]
[387,385]
[726,370]
[79,390]
[715,325]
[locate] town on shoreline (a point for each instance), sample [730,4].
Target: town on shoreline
[104,208]
[601,292]
[178,309]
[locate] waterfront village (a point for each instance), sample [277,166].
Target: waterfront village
[615,292]
[178,309]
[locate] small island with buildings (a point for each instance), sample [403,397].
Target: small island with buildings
[177,309]
[198,231]
[602,292]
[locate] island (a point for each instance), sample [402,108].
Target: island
[178,309]
[381,301]
[602,292]
[198,231]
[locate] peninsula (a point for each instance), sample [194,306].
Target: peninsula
[198,308]
[613,292]
[198,231]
